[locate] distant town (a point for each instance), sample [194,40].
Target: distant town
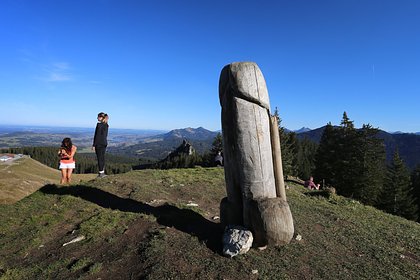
[10,157]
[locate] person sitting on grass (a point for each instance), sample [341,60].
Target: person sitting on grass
[310,184]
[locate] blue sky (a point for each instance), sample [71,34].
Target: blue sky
[156,64]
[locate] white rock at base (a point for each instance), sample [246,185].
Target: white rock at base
[236,240]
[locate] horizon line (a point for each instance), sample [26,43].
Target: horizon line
[167,130]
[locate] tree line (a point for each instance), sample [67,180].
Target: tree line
[115,164]
[86,162]
[353,161]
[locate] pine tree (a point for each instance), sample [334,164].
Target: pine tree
[346,123]
[287,146]
[208,158]
[397,196]
[217,145]
[348,163]
[353,161]
[370,171]
[326,157]
[305,158]
[415,185]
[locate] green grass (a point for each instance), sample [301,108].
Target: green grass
[105,222]
[138,225]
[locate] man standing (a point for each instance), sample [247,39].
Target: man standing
[100,142]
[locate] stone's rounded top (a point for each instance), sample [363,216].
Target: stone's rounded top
[244,80]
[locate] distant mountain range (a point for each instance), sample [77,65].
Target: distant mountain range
[189,133]
[408,144]
[154,144]
[400,132]
[302,130]
[159,146]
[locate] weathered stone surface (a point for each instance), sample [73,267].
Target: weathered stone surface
[236,240]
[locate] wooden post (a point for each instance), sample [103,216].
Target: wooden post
[249,171]
[278,165]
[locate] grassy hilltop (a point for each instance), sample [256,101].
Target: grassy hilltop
[138,225]
[21,177]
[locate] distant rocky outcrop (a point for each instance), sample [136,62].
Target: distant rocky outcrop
[182,157]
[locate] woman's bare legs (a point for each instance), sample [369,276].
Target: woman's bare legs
[63,176]
[68,177]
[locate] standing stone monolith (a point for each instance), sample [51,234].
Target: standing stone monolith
[252,198]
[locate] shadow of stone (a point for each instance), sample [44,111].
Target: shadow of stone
[184,220]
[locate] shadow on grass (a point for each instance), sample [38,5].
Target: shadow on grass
[320,193]
[184,220]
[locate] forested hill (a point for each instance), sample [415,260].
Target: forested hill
[408,144]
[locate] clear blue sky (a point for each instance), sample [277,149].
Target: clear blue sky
[156,64]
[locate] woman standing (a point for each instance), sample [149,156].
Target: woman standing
[100,141]
[67,162]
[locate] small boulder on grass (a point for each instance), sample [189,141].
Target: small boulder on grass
[236,240]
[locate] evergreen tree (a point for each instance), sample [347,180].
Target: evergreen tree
[348,163]
[415,185]
[327,156]
[371,168]
[397,196]
[305,158]
[353,161]
[288,144]
[217,145]
[346,123]
[208,159]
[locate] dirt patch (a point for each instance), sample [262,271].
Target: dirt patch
[318,228]
[80,259]
[412,257]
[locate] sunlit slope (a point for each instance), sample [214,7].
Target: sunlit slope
[21,177]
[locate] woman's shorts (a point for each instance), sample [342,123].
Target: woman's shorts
[67,165]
